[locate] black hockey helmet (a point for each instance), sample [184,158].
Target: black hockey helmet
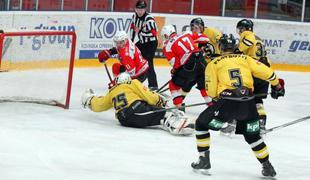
[227,42]
[141,4]
[245,23]
[198,22]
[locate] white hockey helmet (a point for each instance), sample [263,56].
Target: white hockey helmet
[167,30]
[122,78]
[119,38]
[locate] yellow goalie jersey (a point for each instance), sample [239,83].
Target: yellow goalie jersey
[252,45]
[214,35]
[123,95]
[235,70]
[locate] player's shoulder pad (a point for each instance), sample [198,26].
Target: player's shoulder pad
[248,38]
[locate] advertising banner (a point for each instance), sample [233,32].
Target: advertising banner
[286,42]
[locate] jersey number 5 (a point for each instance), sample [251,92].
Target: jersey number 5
[235,74]
[120,101]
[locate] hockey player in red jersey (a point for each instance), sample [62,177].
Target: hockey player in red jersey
[187,61]
[129,56]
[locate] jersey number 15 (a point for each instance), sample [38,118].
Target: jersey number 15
[120,101]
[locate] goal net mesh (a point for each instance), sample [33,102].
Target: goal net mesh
[36,67]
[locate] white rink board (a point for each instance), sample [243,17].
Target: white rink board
[287,42]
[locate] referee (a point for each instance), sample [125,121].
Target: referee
[143,25]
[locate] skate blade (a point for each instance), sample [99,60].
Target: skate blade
[202,171]
[269,178]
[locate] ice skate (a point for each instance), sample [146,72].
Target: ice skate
[203,164]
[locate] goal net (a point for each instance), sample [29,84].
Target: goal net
[37,67]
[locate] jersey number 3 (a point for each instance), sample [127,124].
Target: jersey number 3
[235,74]
[120,101]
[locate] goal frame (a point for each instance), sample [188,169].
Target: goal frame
[48,33]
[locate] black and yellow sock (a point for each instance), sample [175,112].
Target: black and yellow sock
[260,150]
[203,141]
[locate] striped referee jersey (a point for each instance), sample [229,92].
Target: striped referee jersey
[147,26]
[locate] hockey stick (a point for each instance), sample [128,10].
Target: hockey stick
[162,87]
[7,43]
[108,72]
[286,124]
[191,105]
[171,108]
[164,90]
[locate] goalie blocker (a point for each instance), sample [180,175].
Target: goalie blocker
[128,97]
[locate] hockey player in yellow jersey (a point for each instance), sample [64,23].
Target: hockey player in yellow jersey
[251,45]
[211,49]
[229,81]
[128,97]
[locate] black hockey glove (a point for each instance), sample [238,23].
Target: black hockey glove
[277,91]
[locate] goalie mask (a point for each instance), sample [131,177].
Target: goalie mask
[120,39]
[122,78]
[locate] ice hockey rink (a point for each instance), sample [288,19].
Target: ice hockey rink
[45,142]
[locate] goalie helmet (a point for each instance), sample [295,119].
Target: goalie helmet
[227,42]
[197,22]
[167,30]
[246,24]
[122,78]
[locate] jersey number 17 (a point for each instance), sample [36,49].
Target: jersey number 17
[186,44]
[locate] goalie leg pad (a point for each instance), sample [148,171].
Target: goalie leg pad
[177,123]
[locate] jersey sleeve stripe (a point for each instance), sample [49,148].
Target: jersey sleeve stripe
[247,42]
[273,77]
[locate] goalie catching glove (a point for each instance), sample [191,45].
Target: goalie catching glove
[87,97]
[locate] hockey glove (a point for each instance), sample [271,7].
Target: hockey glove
[104,55]
[278,90]
[87,97]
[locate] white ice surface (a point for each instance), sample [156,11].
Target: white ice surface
[43,142]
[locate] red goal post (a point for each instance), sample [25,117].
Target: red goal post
[37,52]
